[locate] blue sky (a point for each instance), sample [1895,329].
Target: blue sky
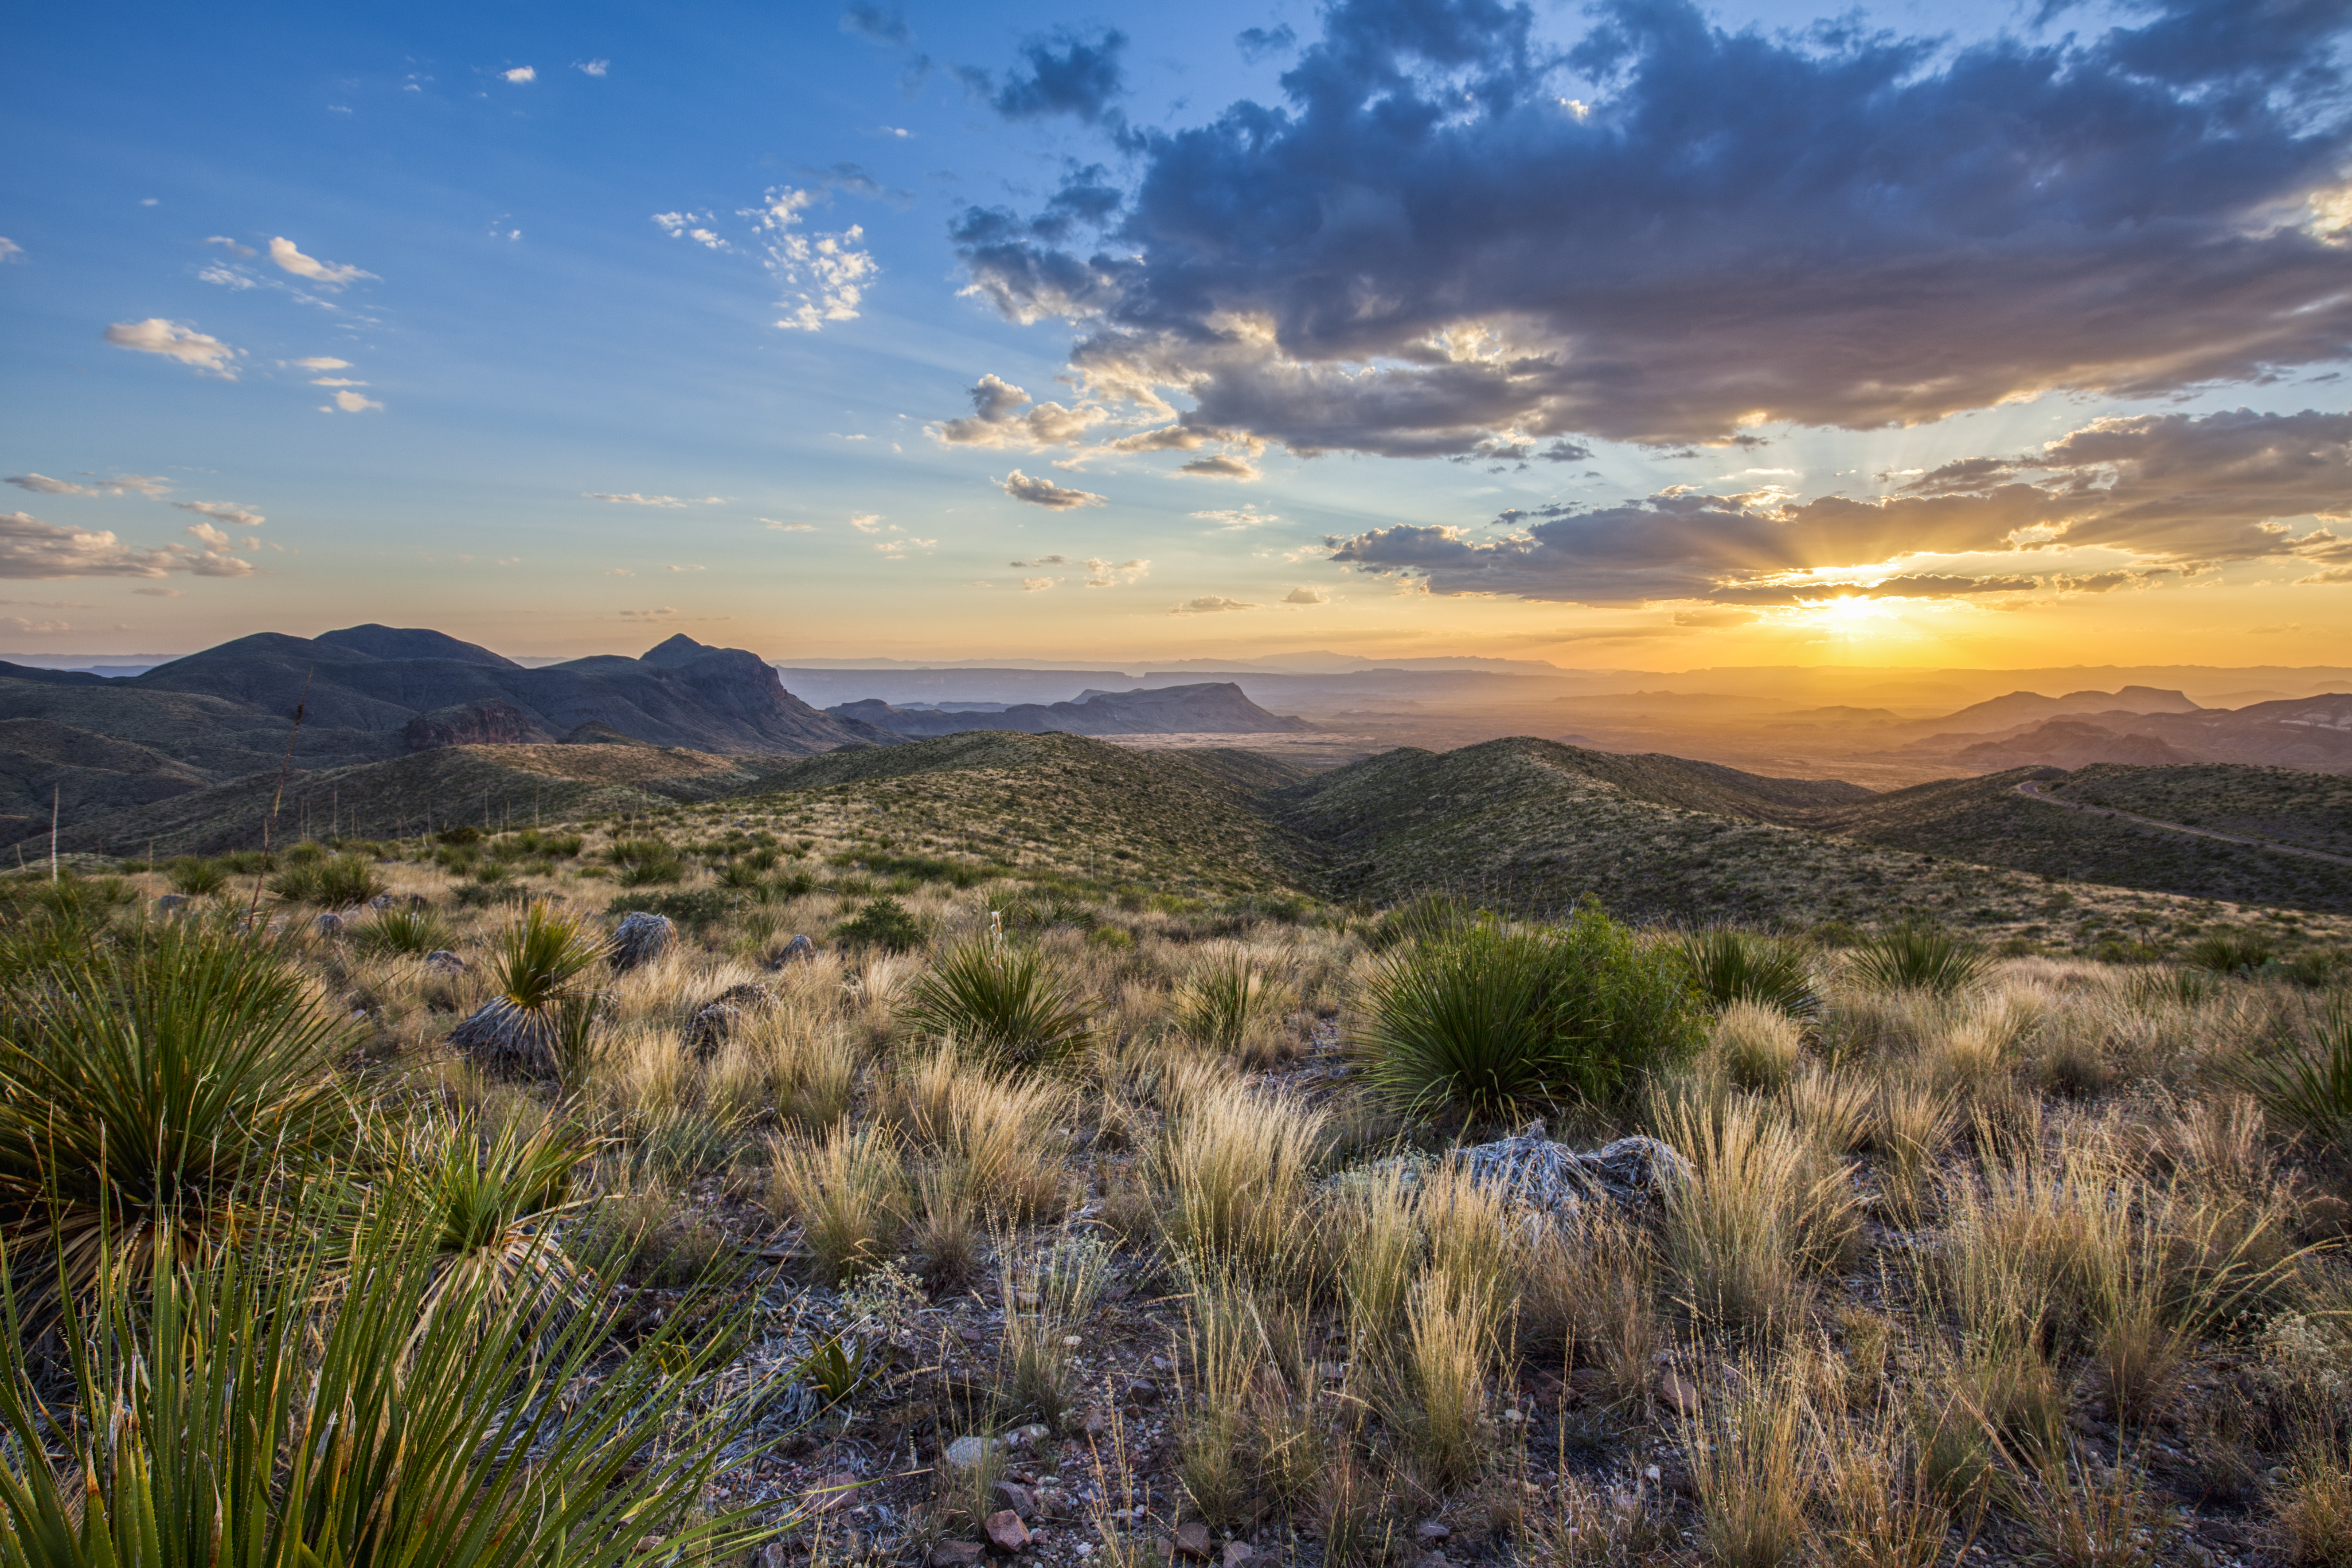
[1642,337]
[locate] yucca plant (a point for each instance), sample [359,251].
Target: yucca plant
[413,932]
[2232,953]
[167,1081]
[1917,956]
[337,882]
[1730,965]
[1496,1021]
[490,1196]
[535,962]
[295,1403]
[1225,990]
[2305,1086]
[194,875]
[1003,1001]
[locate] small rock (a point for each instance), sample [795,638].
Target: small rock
[170,904]
[327,924]
[1676,1393]
[1191,1540]
[1017,1497]
[1237,1553]
[447,962]
[1006,1531]
[1143,1391]
[971,1334]
[1161,1363]
[1430,1532]
[381,901]
[799,950]
[955,1553]
[1096,1421]
[717,1019]
[969,1453]
[1022,1437]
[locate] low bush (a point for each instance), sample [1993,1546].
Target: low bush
[885,923]
[1731,965]
[413,932]
[1000,1000]
[1496,1020]
[2232,953]
[1915,956]
[335,881]
[700,909]
[194,875]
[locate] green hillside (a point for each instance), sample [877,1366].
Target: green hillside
[2285,805]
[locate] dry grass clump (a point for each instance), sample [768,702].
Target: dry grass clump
[847,1194]
[1234,1170]
[1759,1046]
[1752,1448]
[1000,1140]
[1767,1209]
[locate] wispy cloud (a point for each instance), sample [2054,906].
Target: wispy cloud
[694,226]
[998,419]
[1219,466]
[231,246]
[1101,573]
[1046,493]
[824,275]
[350,401]
[190,347]
[1307,596]
[521,74]
[325,274]
[781,526]
[865,521]
[1209,604]
[591,68]
[320,363]
[1037,585]
[1231,518]
[901,549]
[9,250]
[149,485]
[632,497]
[223,512]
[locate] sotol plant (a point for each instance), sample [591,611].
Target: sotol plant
[1913,956]
[539,1017]
[158,1087]
[1003,1001]
[1730,965]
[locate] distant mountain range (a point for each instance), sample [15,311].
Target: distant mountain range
[92,747]
[1208,708]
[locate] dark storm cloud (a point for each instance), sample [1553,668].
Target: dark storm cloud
[1067,73]
[1446,236]
[2180,492]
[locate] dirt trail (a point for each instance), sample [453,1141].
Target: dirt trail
[2031,790]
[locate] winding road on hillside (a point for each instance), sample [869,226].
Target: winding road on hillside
[2031,790]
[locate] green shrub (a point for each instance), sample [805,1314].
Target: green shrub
[195,877]
[1217,1000]
[2232,953]
[1918,956]
[1003,1001]
[412,930]
[335,881]
[463,834]
[156,1087]
[255,1407]
[248,862]
[489,1195]
[884,922]
[653,873]
[1494,1021]
[2305,1087]
[534,960]
[1433,917]
[1732,965]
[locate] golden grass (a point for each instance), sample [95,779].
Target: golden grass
[1235,1169]
[1766,1210]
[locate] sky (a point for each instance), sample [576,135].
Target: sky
[1637,335]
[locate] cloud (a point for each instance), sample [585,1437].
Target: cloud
[2176,491]
[825,276]
[348,402]
[865,521]
[232,247]
[878,24]
[781,526]
[30,548]
[521,74]
[899,549]
[322,363]
[1243,516]
[591,68]
[1037,585]
[1429,244]
[326,274]
[161,593]
[2333,575]
[1714,619]
[157,336]
[1041,561]
[1066,72]
[632,497]
[10,248]
[1257,43]
[209,535]
[692,225]
[1307,596]
[1102,574]
[1046,493]
[223,512]
[42,485]
[1208,604]
[685,568]
[20,623]
[995,421]
[1219,467]
[335,381]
